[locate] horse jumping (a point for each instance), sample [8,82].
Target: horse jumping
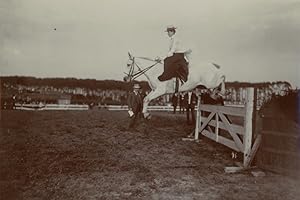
[205,74]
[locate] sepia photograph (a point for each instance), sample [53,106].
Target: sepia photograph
[149,99]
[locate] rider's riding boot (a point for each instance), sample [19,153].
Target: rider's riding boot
[162,77]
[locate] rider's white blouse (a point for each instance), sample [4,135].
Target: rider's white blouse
[175,46]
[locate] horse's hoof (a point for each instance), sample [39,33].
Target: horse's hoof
[222,94]
[147,116]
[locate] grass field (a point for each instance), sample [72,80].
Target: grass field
[91,155]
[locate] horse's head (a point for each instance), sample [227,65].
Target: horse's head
[135,69]
[129,68]
[130,60]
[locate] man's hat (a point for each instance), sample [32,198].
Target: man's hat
[170,28]
[136,86]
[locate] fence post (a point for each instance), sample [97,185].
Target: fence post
[247,137]
[217,128]
[198,118]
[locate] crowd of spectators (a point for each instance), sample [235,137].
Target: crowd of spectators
[49,95]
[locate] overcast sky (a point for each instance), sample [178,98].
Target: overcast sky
[257,40]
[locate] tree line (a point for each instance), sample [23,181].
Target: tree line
[91,84]
[103,84]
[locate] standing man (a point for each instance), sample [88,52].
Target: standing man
[175,63]
[14,99]
[190,102]
[134,105]
[175,102]
[181,103]
[212,98]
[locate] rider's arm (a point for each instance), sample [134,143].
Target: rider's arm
[173,47]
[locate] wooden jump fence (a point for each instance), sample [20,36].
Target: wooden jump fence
[238,137]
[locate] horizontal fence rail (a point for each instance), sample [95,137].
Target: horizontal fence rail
[51,107]
[168,108]
[152,108]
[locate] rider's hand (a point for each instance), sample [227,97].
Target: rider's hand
[158,59]
[170,54]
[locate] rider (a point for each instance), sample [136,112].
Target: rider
[175,63]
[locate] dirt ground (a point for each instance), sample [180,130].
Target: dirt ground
[91,155]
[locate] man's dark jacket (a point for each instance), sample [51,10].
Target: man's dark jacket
[135,102]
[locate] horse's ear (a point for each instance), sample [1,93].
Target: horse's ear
[130,57]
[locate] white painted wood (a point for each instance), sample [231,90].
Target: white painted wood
[247,137]
[222,140]
[230,170]
[221,122]
[198,118]
[254,150]
[217,127]
[211,115]
[236,128]
[231,132]
[235,111]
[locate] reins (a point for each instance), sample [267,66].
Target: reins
[141,71]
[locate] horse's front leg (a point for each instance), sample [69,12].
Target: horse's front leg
[152,95]
[145,105]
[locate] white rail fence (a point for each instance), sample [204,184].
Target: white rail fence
[168,108]
[51,107]
[83,107]
[151,108]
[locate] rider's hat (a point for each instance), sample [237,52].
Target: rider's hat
[170,28]
[136,86]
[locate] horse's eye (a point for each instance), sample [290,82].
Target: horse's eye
[128,65]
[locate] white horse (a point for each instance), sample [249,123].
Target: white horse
[205,74]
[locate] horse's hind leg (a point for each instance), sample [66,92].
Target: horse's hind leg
[223,91]
[187,86]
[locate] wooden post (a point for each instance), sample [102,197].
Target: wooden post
[198,118]
[247,139]
[254,120]
[217,127]
[254,150]
[0,99]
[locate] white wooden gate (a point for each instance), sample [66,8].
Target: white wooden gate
[239,137]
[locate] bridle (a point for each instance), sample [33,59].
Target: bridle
[134,75]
